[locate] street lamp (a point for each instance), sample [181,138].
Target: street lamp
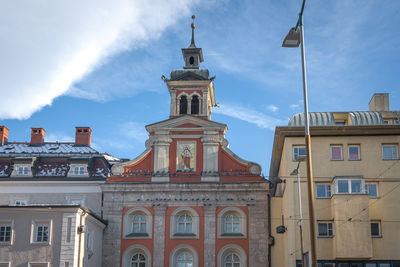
[294,38]
[296,171]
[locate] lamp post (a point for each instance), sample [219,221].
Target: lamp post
[296,171]
[294,38]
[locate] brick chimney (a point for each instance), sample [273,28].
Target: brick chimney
[3,135]
[379,102]
[37,136]
[83,136]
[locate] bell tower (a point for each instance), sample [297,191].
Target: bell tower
[191,89]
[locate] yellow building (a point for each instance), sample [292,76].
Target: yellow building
[356,168]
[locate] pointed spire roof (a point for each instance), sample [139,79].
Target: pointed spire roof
[192,44]
[192,55]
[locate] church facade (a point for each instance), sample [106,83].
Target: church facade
[187,200]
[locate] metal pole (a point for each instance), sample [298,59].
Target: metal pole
[300,214]
[310,182]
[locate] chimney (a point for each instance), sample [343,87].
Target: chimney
[3,135]
[379,102]
[83,136]
[37,136]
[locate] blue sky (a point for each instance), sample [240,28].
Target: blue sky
[99,64]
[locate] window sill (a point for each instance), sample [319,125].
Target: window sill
[232,235]
[40,243]
[184,235]
[376,236]
[8,243]
[325,236]
[137,235]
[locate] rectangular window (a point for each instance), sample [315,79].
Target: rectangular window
[325,229]
[371,189]
[323,190]
[41,232]
[4,264]
[20,202]
[390,152]
[336,152]
[89,241]
[79,170]
[349,186]
[23,170]
[5,233]
[354,152]
[375,229]
[298,151]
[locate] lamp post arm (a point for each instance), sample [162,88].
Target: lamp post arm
[300,20]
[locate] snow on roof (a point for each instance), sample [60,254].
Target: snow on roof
[46,149]
[111,158]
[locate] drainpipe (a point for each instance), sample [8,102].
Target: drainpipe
[270,237]
[80,232]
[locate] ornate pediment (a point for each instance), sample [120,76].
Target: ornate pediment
[185,122]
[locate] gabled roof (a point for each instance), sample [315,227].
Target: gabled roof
[47,150]
[187,119]
[188,75]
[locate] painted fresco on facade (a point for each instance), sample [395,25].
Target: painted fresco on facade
[186,154]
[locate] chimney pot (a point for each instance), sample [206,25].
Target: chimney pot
[83,136]
[3,135]
[379,102]
[37,136]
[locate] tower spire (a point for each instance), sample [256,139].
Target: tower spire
[192,44]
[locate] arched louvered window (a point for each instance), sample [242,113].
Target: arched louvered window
[183,105]
[195,105]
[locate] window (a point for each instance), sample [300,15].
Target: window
[375,229]
[349,186]
[136,256]
[323,190]
[325,229]
[195,105]
[184,260]
[138,223]
[89,241]
[79,170]
[298,151]
[336,152]
[5,233]
[41,232]
[184,223]
[138,260]
[232,223]
[23,170]
[232,260]
[389,152]
[371,189]
[20,202]
[183,105]
[354,152]
[4,264]
[232,256]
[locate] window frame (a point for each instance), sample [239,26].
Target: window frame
[5,262]
[128,232]
[396,146]
[366,190]
[349,186]
[184,249]
[34,231]
[174,233]
[379,229]
[358,152]
[10,224]
[298,147]
[229,249]
[341,152]
[326,185]
[329,229]
[26,170]
[132,250]
[78,167]
[237,211]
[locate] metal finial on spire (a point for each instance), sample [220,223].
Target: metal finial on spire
[192,44]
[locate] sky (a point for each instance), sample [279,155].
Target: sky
[98,63]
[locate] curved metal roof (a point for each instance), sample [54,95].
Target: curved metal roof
[327,118]
[316,119]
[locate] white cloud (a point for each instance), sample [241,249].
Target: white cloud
[46,46]
[294,106]
[59,137]
[249,115]
[133,130]
[272,108]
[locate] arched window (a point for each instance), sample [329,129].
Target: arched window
[232,223]
[185,224]
[184,259]
[232,260]
[191,60]
[195,105]
[183,105]
[138,260]
[139,223]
